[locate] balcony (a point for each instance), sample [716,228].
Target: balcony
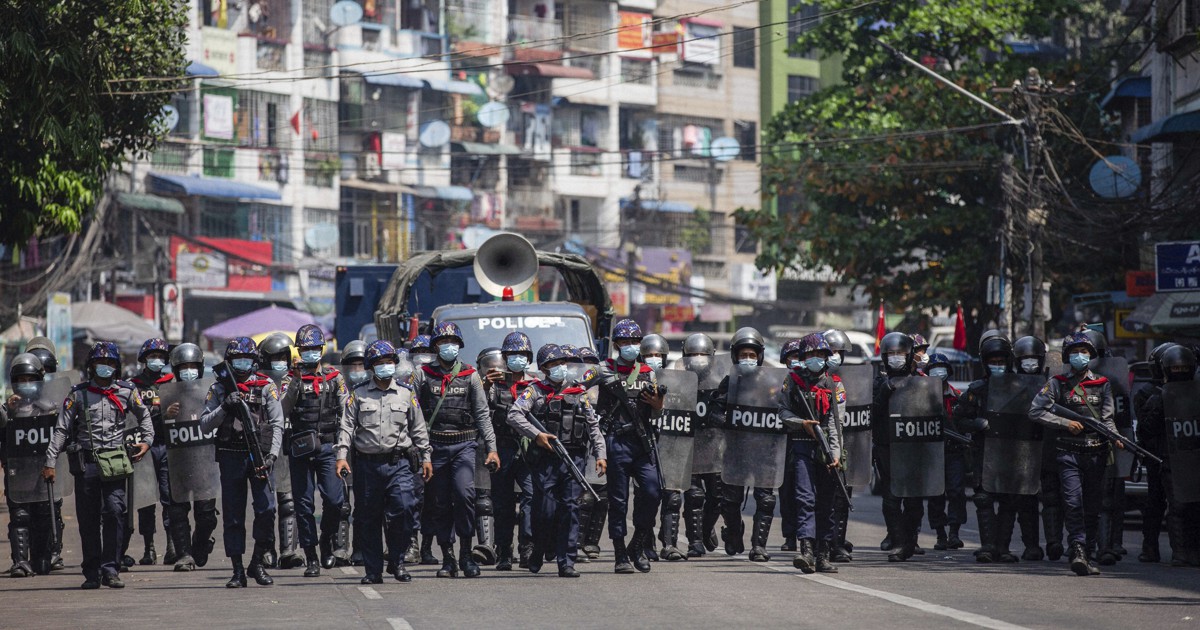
[535,32]
[530,201]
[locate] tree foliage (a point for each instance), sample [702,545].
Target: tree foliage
[64,121]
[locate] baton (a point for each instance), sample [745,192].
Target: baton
[53,517]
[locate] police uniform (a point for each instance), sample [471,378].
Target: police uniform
[814,483]
[146,385]
[567,414]
[28,521]
[93,418]
[513,472]
[901,516]
[386,429]
[950,509]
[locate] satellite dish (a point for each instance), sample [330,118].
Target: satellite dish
[493,115]
[724,149]
[500,85]
[169,118]
[345,13]
[321,236]
[434,134]
[1115,177]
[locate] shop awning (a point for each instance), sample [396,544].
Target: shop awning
[379,187]
[394,79]
[663,206]
[550,70]
[1169,129]
[448,193]
[1129,87]
[150,202]
[483,148]
[195,185]
[454,87]
[197,69]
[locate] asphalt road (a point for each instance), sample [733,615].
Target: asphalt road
[937,590]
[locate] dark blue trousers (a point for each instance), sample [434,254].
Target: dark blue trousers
[1081,481]
[812,492]
[556,507]
[513,472]
[386,496]
[627,460]
[100,508]
[317,472]
[237,479]
[951,508]
[452,490]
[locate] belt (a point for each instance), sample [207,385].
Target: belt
[623,430]
[381,458]
[452,437]
[1085,446]
[800,436]
[234,449]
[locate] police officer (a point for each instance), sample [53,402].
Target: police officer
[949,510]
[746,349]
[355,372]
[276,352]
[593,510]
[384,426]
[839,343]
[902,517]
[702,501]
[222,412]
[628,382]
[807,403]
[1178,364]
[193,548]
[1030,358]
[43,349]
[1082,455]
[1150,437]
[453,392]
[563,410]
[1111,529]
[93,418]
[421,351]
[321,397]
[654,350]
[155,372]
[920,353]
[503,387]
[28,521]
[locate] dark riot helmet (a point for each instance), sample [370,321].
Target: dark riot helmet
[186,353]
[838,341]
[26,364]
[1179,364]
[490,359]
[747,338]
[654,344]
[1155,361]
[699,343]
[355,350]
[43,349]
[896,343]
[1099,343]
[275,344]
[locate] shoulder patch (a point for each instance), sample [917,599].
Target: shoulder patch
[527,394]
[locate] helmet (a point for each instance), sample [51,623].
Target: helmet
[490,359]
[549,352]
[1155,360]
[152,345]
[49,362]
[996,345]
[446,330]
[516,342]
[837,340]
[274,344]
[310,336]
[26,364]
[42,343]
[815,342]
[381,349]
[626,329]
[654,344]
[420,343]
[699,343]
[895,342]
[1179,360]
[1098,342]
[938,359]
[186,353]
[746,338]
[1077,340]
[104,350]
[240,346]
[988,334]
[589,356]
[793,346]
[572,353]
[1029,347]
[919,342]
[354,350]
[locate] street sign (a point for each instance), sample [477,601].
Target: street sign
[58,328]
[1177,266]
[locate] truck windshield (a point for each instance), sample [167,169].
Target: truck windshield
[484,332]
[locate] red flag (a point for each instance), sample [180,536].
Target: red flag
[880,329]
[960,331]
[296,121]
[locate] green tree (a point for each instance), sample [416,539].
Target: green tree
[71,107]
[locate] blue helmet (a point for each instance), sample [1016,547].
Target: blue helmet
[938,359]
[814,342]
[104,350]
[310,336]
[549,352]
[793,346]
[1075,340]
[446,330]
[154,344]
[241,346]
[919,341]
[420,343]
[516,342]
[589,356]
[381,349]
[627,329]
[572,353]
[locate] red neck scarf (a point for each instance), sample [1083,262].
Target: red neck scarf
[109,393]
[822,395]
[317,379]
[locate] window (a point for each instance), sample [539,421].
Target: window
[743,47]
[802,17]
[747,137]
[801,87]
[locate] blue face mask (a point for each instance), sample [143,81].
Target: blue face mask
[558,373]
[448,351]
[242,365]
[104,371]
[279,367]
[997,370]
[1080,361]
[357,376]
[517,362]
[156,365]
[795,364]
[189,374]
[655,363]
[939,372]
[310,357]
[630,353]
[814,364]
[384,371]
[27,390]
[835,360]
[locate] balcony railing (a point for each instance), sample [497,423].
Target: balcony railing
[541,33]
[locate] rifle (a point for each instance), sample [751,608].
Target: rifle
[1095,425]
[565,457]
[613,387]
[961,438]
[224,376]
[827,452]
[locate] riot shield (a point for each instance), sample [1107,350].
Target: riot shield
[142,487]
[677,428]
[856,422]
[918,454]
[1054,364]
[708,447]
[1012,452]
[27,436]
[191,455]
[755,439]
[1181,407]
[1116,370]
[483,475]
[281,473]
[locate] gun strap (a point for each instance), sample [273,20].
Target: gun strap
[441,399]
[1083,394]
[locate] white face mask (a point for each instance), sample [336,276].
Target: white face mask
[896,361]
[1030,366]
[654,363]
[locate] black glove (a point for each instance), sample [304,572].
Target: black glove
[233,401]
[269,461]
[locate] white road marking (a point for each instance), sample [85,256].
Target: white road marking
[369,592]
[349,570]
[398,623]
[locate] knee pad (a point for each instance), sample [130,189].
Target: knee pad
[21,515]
[694,499]
[287,506]
[982,500]
[483,503]
[766,503]
[672,501]
[586,502]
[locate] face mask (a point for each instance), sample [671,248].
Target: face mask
[404,370]
[814,364]
[448,351]
[630,353]
[655,363]
[748,362]
[279,366]
[309,356]
[156,365]
[558,373]
[422,358]
[242,365]
[356,377]
[835,360]
[189,374]
[939,372]
[997,370]
[517,363]
[923,360]
[1030,366]
[896,361]
[697,364]
[104,371]
[795,364]
[1080,361]
[27,390]
[384,371]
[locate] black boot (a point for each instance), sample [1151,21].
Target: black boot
[670,537]
[942,543]
[805,560]
[987,534]
[449,565]
[593,529]
[637,550]
[621,563]
[524,553]
[952,539]
[1079,561]
[411,556]
[56,561]
[312,566]
[789,544]
[1107,555]
[149,555]
[427,556]
[823,563]
[466,561]
[22,564]
[889,541]
[257,570]
[504,558]
[401,574]
[202,549]
[1150,552]
[327,559]
[1004,532]
[758,537]
[694,528]
[239,574]
[171,556]
[179,536]
[731,535]
[537,558]
[1027,521]
[1052,526]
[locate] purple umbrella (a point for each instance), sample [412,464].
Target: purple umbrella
[267,319]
